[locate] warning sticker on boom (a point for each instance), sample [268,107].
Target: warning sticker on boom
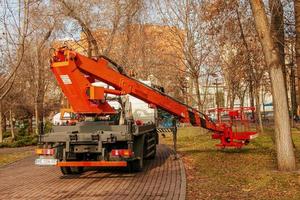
[66,79]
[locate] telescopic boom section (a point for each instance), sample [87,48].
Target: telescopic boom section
[76,74]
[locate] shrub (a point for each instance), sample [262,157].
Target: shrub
[6,135]
[48,127]
[21,141]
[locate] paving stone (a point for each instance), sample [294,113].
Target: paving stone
[162,178]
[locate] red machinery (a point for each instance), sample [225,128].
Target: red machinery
[236,123]
[76,74]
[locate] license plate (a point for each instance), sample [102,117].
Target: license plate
[46,161]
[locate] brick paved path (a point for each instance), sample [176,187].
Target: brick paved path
[162,178]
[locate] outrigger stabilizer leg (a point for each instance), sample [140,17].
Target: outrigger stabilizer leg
[174,132]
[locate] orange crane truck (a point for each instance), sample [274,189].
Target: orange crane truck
[107,142]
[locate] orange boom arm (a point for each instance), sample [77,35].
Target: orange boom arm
[76,74]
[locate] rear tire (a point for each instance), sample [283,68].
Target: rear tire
[76,170]
[152,155]
[135,166]
[66,170]
[152,150]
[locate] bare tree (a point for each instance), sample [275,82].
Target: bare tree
[132,10]
[297,47]
[72,11]
[41,56]
[190,38]
[14,49]
[284,147]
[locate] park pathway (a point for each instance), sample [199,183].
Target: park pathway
[162,178]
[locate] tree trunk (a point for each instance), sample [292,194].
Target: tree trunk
[263,103]
[232,99]
[4,122]
[36,112]
[196,79]
[11,122]
[251,95]
[241,97]
[297,48]
[190,91]
[242,101]
[293,95]
[41,113]
[257,104]
[228,97]
[250,64]
[1,126]
[277,28]
[284,146]
[30,129]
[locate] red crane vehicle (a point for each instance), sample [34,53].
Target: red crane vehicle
[109,142]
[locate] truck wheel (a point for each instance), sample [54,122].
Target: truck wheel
[149,154]
[76,170]
[65,170]
[152,155]
[135,165]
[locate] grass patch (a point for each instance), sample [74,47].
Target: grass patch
[12,157]
[249,173]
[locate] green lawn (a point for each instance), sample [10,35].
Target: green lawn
[249,173]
